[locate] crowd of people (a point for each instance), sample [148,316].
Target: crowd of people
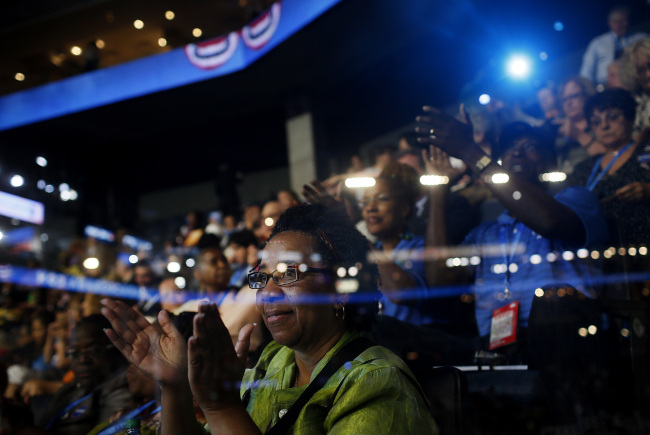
[315,312]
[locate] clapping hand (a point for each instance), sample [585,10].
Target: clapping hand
[454,137]
[436,162]
[216,366]
[158,350]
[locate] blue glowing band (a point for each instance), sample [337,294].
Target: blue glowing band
[179,67]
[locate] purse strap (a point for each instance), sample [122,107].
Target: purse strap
[347,353]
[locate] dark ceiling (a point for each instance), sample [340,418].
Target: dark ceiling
[363,68]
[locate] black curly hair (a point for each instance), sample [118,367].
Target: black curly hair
[340,244]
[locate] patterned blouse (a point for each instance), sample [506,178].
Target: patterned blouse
[628,221]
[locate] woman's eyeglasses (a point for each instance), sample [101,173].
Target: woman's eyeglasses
[292,273]
[610,116]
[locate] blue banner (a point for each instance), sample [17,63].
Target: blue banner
[181,66]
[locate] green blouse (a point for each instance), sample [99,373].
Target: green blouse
[375,394]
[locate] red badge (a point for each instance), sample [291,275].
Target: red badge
[504,325]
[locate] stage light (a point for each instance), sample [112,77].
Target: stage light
[17,181]
[19,76]
[432,180]
[170,15]
[518,67]
[180,282]
[91,263]
[190,262]
[138,24]
[76,50]
[162,42]
[133,258]
[484,99]
[356,182]
[197,32]
[41,161]
[100,43]
[173,267]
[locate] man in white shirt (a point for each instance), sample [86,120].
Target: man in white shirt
[606,48]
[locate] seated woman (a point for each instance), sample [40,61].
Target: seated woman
[575,141]
[310,321]
[386,208]
[620,178]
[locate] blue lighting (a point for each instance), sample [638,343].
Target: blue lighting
[484,99]
[518,67]
[558,25]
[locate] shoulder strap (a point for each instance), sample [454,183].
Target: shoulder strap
[347,353]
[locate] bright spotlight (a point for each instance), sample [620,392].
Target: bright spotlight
[64,187]
[356,182]
[138,24]
[133,258]
[173,267]
[518,67]
[41,161]
[484,99]
[91,263]
[17,181]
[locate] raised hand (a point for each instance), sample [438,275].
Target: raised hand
[453,136]
[317,193]
[436,162]
[158,350]
[215,367]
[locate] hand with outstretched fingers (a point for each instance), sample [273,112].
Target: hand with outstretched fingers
[216,367]
[454,137]
[316,193]
[158,350]
[436,162]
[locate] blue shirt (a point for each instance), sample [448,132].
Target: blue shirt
[408,255]
[530,267]
[600,54]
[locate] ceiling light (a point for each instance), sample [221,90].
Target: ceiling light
[75,50]
[170,15]
[138,24]
[19,76]
[197,32]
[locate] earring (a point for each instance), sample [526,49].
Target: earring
[340,312]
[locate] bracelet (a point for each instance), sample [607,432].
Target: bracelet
[482,163]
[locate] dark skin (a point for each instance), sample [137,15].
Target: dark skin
[534,207]
[393,276]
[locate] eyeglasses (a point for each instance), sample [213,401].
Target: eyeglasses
[94,351]
[382,197]
[610,116]
[572,97]
[293,273]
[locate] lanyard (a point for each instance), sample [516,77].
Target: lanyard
[119,424]
[508,255]
[595,178]
[62,412]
